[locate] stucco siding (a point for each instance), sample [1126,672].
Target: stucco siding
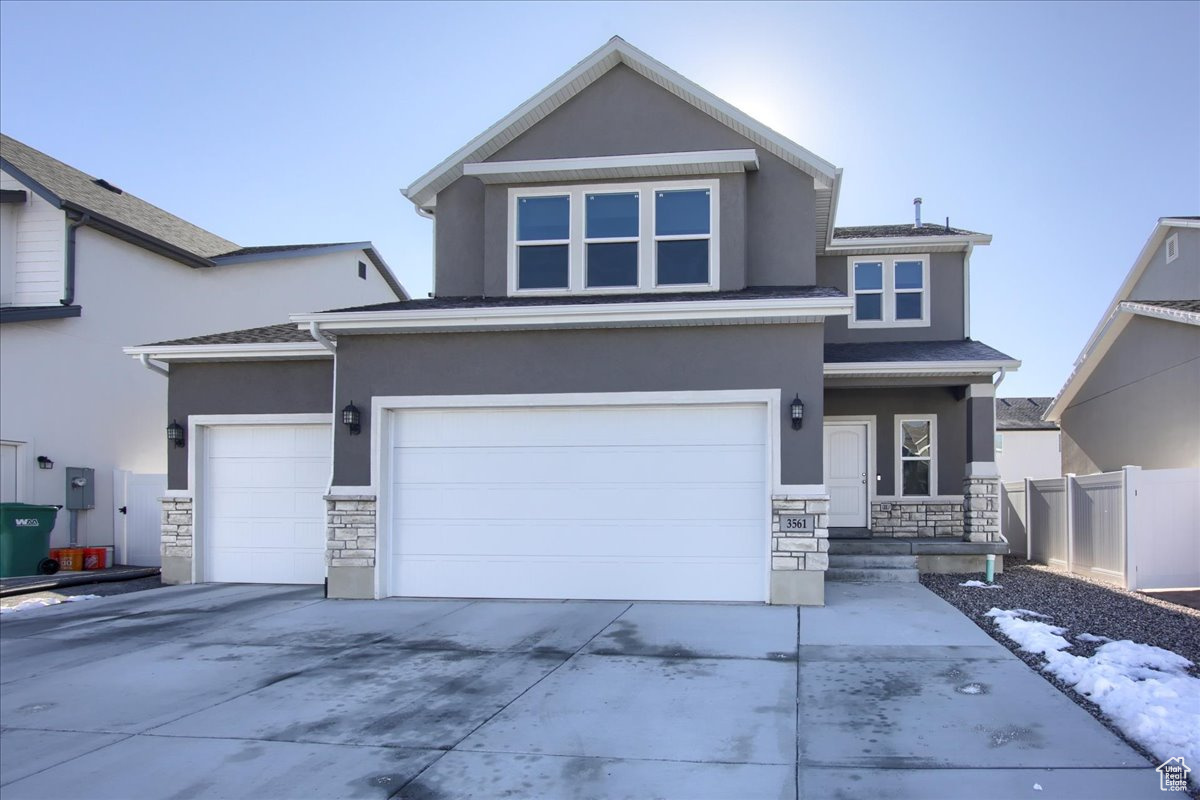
[1179,280]
[1140,405]
[276,387]
[945,302]
[36,269]
[884,404]
[785,357]
[623,113]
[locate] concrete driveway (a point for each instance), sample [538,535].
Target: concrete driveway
[273,692]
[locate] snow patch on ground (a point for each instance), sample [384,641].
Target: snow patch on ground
[982,585]
[1145,690]
[40,602]
[1091,637]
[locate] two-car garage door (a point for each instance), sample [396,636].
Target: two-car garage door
[629,502]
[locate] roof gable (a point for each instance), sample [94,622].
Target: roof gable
[423,192]
[1119,310]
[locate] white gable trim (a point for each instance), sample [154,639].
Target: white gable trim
[1112,322]
[648,165]
[616,51]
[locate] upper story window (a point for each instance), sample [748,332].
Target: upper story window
[614,238]
[889,291]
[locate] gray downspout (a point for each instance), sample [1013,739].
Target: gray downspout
[69,267]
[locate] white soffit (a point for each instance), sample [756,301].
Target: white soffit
[616,51]
[265,351]
[917,369]
[649,165]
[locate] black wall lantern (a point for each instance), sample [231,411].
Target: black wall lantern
[175,433]
[44,463]
[351,418]
[797,413]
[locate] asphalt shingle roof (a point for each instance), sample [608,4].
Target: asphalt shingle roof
[284,333]
[1177,305]
[750,293]
[953,350]
[893,231]
[280,248]
[1023,413]
[83,190]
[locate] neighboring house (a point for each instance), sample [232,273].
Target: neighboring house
[1133,398]
[652,368]
[84,268]
[1026,445]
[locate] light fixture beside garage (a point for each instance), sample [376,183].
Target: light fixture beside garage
[175,433]
[352,418]
[797,413]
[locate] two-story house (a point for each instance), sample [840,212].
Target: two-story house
[85,268]
[651,368]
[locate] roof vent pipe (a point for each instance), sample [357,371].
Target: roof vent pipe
[917,210]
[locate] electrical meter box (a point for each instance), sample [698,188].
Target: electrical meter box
[81,488]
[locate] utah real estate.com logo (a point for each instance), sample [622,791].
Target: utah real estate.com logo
[1172,775]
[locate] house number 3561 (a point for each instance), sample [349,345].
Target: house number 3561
[796,522]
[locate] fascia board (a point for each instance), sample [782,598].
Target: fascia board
[580,315]
[867,368]
[231,352]
[631,166]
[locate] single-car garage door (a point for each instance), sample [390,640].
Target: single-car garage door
[599,502]
[263,514]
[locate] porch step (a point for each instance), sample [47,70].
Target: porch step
[869,547]
[849,533]
[849,561]
[847,575]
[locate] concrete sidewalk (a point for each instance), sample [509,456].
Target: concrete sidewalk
[265,692]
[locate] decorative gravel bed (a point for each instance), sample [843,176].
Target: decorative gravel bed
[1081,606]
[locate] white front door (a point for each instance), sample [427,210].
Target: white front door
[263,514]
[590,502]
[846,473]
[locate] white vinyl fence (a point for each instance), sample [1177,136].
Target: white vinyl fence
[1136,528]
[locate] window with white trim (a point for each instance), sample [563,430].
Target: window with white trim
[614,238]
[889,291]
[916,455]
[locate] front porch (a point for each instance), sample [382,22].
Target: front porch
[910,469]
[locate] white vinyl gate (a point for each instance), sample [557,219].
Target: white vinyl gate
[137,531]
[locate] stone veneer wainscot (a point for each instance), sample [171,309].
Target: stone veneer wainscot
[799,558]
[178,537]
[350,531]
[910,517]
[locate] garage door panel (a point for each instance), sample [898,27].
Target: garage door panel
[530,502]
[547,465]
[570,539]
[525,427]
[593,579]
[663,502]
[264,512]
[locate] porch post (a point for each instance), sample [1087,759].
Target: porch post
[981,484]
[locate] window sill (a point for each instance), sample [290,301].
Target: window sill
[34,313]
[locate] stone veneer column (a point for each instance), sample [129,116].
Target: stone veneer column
[981,508]
[177,539]
[350,545]
[799,558]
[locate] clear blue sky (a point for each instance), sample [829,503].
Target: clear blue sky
[1065,130]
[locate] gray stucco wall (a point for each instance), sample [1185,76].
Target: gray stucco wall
[1179,280]
[622,113]
[458,240]
[264,387]
[1141,406]
[786,357]
[952,429]
[945,303]
[981,444]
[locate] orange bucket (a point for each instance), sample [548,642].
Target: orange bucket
[70,559]
[95,558]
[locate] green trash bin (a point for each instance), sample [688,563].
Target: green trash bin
[25,539]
